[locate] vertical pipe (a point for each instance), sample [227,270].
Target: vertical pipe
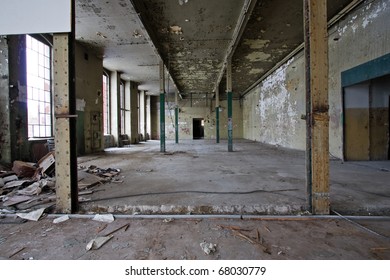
[162,108]
[176,117]
[308,109]
[230,104]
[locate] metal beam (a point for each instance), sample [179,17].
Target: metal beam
[243,19]
[316,36]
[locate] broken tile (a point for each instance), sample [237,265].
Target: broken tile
[61,219]
[13,200]
[98,242]
[208,248]
[32,216]
[106,218]
[33,189]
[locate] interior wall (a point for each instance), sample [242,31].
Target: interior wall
[272,110]
[89,85]
[5,137]
[200,109]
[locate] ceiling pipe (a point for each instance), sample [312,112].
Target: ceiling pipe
[243,19]
[331,22]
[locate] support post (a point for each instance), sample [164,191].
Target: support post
[65,121]
[162,107]
[316,55]
[230,104]
[177,117]
[217,115]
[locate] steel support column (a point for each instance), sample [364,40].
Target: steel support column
[217,115]
[317,118]
[162,107]
[230,104]
[177,117]
[65,121]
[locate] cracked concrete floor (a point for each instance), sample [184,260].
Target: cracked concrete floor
[201,177]
[300,238]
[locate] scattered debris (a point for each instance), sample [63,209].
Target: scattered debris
[16,252]
[258,240]
[106,218]
[33,189]
[126,226]
[10,178]
[47,163]
[208,248]
[168,220]
[32,216]
[101,228]
[23,169]
[13,200]
[61,219]
[144,170]
[98,242]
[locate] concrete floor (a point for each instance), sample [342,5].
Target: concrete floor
[201,177]
[304,238]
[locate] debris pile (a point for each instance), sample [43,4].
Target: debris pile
[32,185]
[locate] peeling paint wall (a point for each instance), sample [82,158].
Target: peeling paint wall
[5,138]
[89,85]
[272,110]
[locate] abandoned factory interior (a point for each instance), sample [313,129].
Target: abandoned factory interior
[196,129]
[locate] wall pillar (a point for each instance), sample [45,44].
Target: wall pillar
[115,82]
[65,123]
[134,112]
[316,54]
[148,117]
[142,115]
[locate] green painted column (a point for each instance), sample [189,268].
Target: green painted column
[162,122]
[230,103]
[177,124]
[230,121]
[162,107]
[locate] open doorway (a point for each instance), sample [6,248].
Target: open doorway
[198,128]
[366,120]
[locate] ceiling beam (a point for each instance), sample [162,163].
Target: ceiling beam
[150,36]
[243,19]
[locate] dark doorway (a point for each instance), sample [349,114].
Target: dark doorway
[198,128]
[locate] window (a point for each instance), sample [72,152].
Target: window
[106,104]
[39,99]
[122,106]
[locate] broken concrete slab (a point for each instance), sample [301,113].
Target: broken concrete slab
[23,169]
[14,200]
[106,218]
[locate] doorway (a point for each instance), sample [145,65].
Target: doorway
[198,129]
[366,120]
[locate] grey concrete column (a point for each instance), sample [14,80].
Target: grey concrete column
[115,82]
[148,118]
[134,112]
[142,114]
[127,107]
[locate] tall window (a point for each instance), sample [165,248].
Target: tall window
[39,96]
[106,104]
[122,106]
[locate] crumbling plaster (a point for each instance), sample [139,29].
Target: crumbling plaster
[273,109]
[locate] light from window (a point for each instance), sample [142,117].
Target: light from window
[39,100]
[106,105]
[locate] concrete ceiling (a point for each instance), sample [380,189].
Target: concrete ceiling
[193,37]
